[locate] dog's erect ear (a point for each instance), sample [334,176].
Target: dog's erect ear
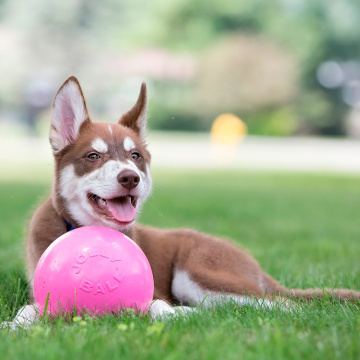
[68,114]
[135,118]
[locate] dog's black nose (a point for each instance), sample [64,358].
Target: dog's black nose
[128,179]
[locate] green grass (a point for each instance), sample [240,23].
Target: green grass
[302,228]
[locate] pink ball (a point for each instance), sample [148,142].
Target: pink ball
[96,269]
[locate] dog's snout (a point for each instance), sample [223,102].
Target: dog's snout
[128,179]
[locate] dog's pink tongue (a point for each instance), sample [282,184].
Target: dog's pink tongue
[121,209]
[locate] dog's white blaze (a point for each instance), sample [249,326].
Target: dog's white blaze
[68,102]
[100,145]
[189,292]
[129,144]
[102,182]
[110,129]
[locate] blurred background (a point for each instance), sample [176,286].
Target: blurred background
[289,69]
[285,67]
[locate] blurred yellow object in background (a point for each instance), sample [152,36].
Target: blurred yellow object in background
[228,129]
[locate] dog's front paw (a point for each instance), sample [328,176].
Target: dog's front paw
[160,308]
[24,318]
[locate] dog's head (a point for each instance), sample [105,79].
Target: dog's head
[102,174]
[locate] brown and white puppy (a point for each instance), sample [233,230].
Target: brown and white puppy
[102,177]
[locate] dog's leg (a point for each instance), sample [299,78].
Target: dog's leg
[209,270]
[160,308]
[24,318]
[200,269]
[187,291]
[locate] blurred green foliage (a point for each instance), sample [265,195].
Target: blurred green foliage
[257,58]
[312,32]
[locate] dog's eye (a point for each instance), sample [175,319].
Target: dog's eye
[93,156]
[135,155]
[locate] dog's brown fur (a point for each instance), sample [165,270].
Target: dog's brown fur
[212,263]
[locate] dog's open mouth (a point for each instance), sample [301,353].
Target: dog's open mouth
[122,208]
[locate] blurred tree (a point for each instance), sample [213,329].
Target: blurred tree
[336,28]
[244,73]
[49,41]
[312,31]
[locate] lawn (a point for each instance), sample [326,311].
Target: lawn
[302,228]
